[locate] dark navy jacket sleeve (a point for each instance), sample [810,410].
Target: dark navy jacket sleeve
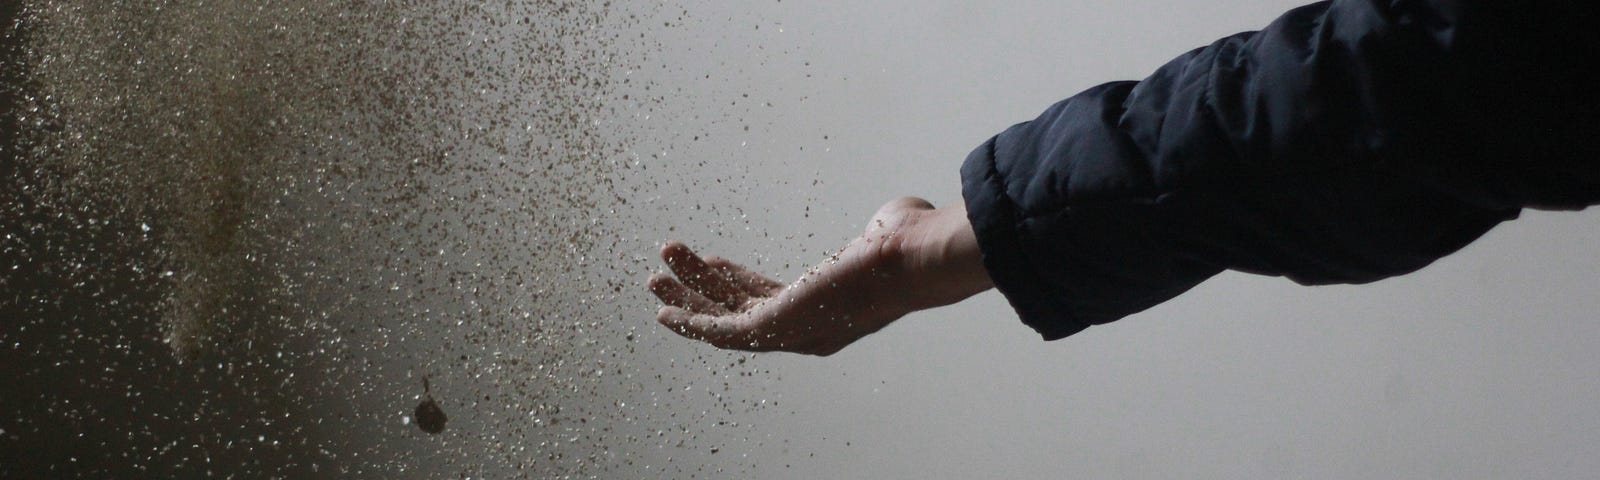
[1347,142]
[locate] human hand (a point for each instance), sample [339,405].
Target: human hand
[910,257]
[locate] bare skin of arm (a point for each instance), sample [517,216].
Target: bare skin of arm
[911,257]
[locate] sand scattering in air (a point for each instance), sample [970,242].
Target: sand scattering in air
[239,233]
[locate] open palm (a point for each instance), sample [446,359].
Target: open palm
[879,277]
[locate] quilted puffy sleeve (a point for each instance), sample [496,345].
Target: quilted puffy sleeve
[1347,142]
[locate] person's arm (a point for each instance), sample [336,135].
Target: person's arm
[1347,142]
[911,257]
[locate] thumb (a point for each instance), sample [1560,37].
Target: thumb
[905,203]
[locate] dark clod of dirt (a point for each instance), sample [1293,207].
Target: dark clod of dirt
[430,418]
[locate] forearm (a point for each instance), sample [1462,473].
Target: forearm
[1347,142]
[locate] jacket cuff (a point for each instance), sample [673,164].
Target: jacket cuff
[996,221]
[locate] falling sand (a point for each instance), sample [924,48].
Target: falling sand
[232,229]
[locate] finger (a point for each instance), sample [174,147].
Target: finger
[693,272]
[752,283]
[673,293]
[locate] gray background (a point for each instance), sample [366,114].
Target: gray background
[1480,366]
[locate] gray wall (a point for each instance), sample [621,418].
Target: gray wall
[1477,367]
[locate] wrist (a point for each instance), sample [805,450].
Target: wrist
[941,259]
